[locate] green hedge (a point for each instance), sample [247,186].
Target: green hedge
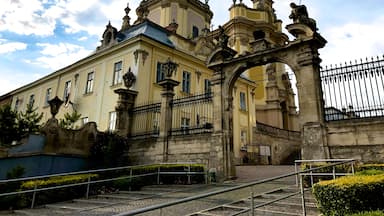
[370,213]
[44,197]
[125,183]
[350,194]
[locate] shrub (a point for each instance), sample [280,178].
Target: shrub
[370,213]
[370,172]
[343,168]
[55,195]
[350,194]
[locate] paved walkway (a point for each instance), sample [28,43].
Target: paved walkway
[162,194]
[252,173]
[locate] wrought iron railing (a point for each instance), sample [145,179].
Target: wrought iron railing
[277,131]
[146,121]
[126,169]
[354,90]
[192,114]
[153,210]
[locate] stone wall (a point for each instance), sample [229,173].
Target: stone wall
[284,145]
[188,148]
[361,139]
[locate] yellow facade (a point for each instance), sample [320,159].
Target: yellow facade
[95,99]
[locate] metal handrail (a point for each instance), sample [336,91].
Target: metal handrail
[334,174]
[158,172]
[200,196]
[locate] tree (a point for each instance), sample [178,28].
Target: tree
[9,130]
[28,121]
[69,120]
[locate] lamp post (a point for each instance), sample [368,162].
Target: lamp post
[54,105]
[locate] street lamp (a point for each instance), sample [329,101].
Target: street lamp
[55,104]
[169,67]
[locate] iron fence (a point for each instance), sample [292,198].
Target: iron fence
[192,114]
[354,90]
[146,120]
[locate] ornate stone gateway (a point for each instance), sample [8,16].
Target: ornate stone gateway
[301,55]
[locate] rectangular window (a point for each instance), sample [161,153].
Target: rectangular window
[84,120]
[89,85]
[117,73]
[195,32]
[31,100]
[243,137]
[17,104]
[67,91]
[186,85]
[48,95]
[207,86]
[243,104]
[185,123]
[160,75]
[112,121]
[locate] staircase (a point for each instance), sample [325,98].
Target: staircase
[278,202]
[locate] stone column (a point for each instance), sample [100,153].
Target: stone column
[222,145]
[166,112]
[125,103]
[314,133]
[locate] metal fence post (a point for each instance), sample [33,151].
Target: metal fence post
[311,173]
[352,167]
[34,196]
[333,172]
[130,179]
[252,205]
[88,185]
[302,195]
[297,174]
[158,175]
[189,175]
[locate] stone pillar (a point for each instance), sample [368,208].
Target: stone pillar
[125,103]
[166,112]
[222,155]
[314,133]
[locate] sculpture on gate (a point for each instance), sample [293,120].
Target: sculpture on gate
[299,14]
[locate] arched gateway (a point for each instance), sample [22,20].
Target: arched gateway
[301,55]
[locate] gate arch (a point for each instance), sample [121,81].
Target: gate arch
[301,55]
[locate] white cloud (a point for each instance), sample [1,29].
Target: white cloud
[56,56]
[8,47]
[25,17]
[353,41]
[83,38]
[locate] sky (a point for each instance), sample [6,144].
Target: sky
[38,37]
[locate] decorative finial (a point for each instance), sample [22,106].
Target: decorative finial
[129,78]
[126,19]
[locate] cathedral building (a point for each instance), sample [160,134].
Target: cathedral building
[178,31]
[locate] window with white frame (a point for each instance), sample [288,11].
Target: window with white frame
[243,102]
[112,121]
[48,95]
[67,90]
[117,73]
[89,85]
[186,85]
